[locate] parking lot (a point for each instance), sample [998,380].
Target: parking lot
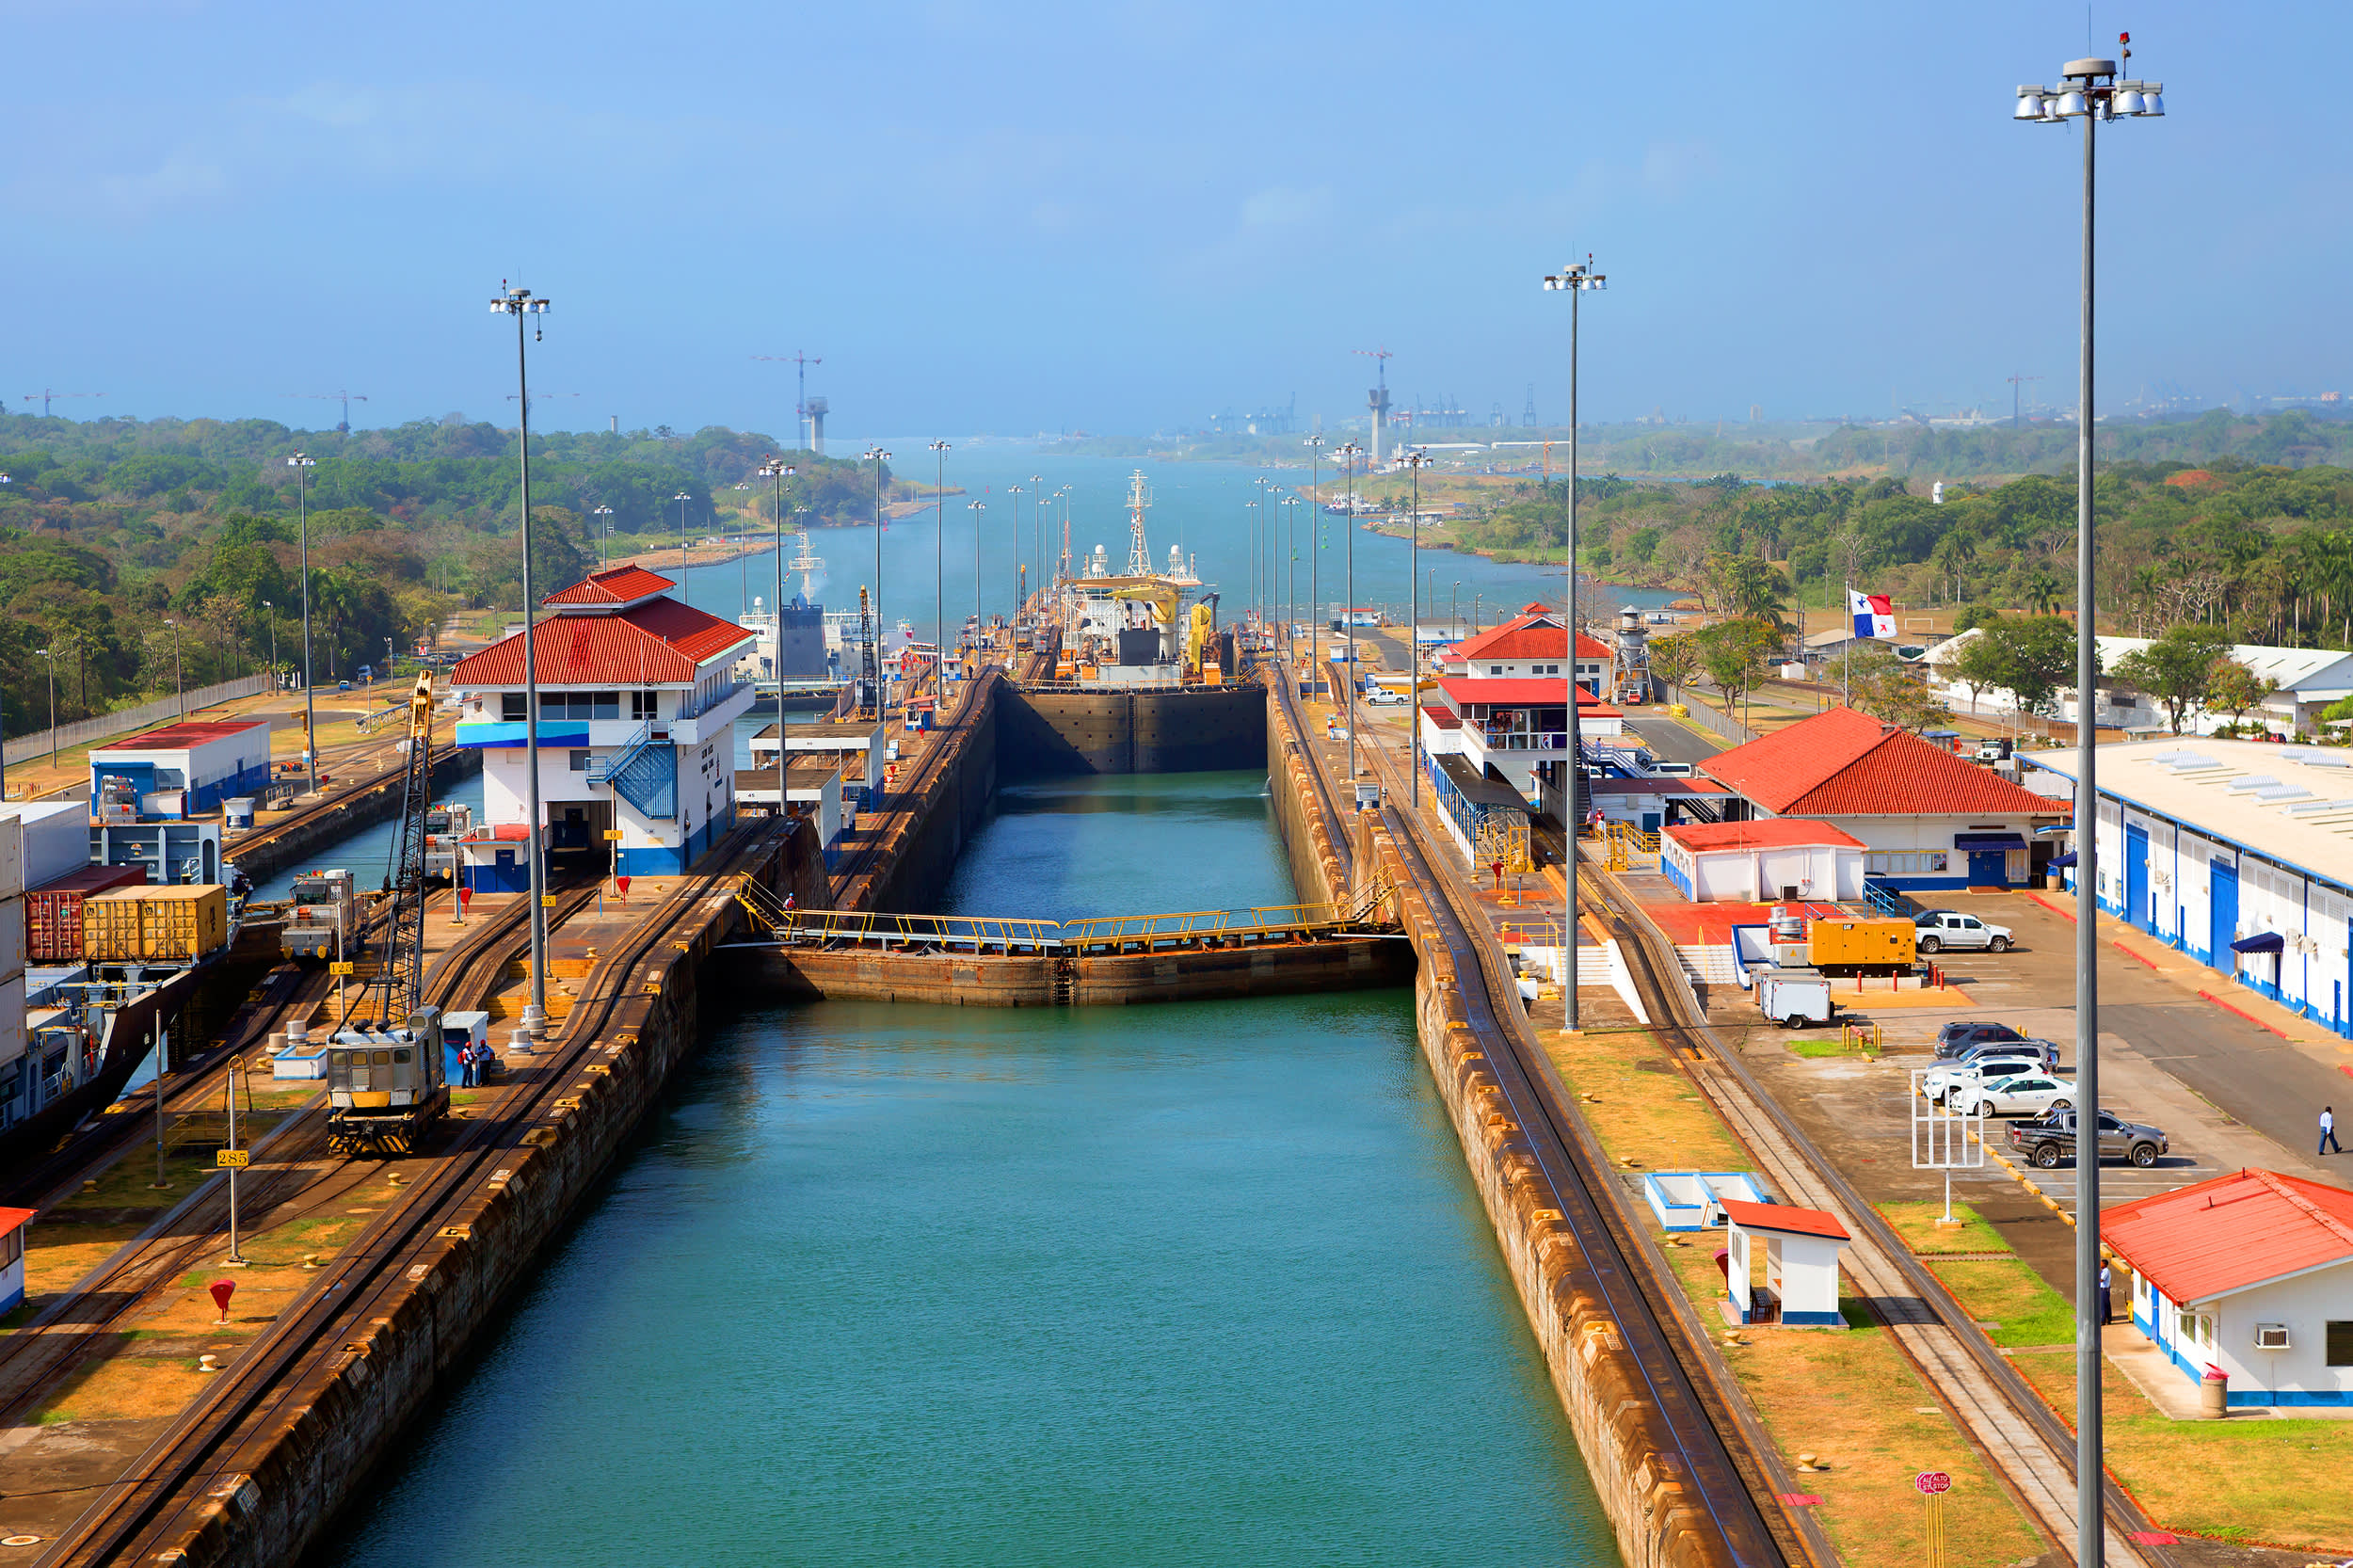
[2227,1092]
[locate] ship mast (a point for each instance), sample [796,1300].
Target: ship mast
[1139,555]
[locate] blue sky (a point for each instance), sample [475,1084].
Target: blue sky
[1124,217]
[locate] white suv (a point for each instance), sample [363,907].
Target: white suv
[1939,929]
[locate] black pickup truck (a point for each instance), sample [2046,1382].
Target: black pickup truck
[2049,1139]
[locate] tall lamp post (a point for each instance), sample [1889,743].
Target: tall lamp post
[302,463]
[1414,461]
[1347,456]
[1576,279]
[681,498]
[50,654]
[525,307]
[1290,576]
[743,572]
[777,470]
[878,457]
[272,619]
[976,509]
[1250,506]
[2090,91]
[604,535]
[179,690]
[940,569]
[1014,620]
[1038,521]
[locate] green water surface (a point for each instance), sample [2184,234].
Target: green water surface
[1190,1285]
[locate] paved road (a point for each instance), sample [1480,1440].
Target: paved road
[1673,741]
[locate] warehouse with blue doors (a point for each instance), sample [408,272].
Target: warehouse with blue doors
[2238,853]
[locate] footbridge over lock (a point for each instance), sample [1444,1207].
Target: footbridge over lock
[1099,961]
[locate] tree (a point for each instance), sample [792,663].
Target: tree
[2235,689]
[1983,662]
[2178,669]
[1674,658]
[2035,658]
[1733,653]
[1883,685]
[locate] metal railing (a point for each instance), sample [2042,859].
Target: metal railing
[98,727]
[1006,936]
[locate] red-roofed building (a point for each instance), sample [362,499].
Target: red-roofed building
[638,697]
[1781,1263]
[1513,728]
[1926,819]
[1760,860]
[182,770]
[2251,1274]
[1530,644]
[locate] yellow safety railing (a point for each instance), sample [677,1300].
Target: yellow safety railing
[984,933]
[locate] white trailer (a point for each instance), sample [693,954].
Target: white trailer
[1795,999]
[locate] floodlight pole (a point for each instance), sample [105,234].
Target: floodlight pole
[1576,281]
[778,471]
[1413,461]
[1314,524]
[1349,454]
[521,304]
[939,571]
[2091,91]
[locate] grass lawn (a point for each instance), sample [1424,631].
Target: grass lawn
[1849,1396]
[1814,1050]
[1916,1223]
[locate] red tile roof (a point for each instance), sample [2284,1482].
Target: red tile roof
[618,585]
[1524,690]
[1784,1217]
[659,643]
[1445,718]
[2224,1235]
[1534,634]
[1843,763]
[1765,833]
[12,1218]
[181,737]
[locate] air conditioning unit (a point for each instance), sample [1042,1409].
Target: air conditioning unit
[2271,1336]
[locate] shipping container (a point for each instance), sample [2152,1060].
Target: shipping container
[1854,945]
[57,838]
[12,937]
[11,857]
[155,925]
[52,914]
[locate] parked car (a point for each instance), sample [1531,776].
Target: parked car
[2027,1094]
[342,686]
[1961,1076]
[2040,1051]
[1957,1037]
[1944,928]
[2049,1139]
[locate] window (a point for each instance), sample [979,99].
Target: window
[15,1246]
[1905,863]
[511,709]
[2192,1328]
[2339,1343]
[641,705]
[580,761]
[1495,670]
[580,706]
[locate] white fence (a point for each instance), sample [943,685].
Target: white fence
[26,748]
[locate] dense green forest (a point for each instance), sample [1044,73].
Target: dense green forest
[110,529]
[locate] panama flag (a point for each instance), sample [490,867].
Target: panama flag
[1874,613]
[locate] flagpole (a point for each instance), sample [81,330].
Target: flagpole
[1845,664]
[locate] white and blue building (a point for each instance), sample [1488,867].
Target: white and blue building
[182,770]
[2237,853]
[638,699]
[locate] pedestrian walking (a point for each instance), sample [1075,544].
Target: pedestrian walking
[2106,1307]
[2328,1130]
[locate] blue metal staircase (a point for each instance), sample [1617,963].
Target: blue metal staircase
[641,773]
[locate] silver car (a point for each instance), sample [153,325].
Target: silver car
[1988,1068]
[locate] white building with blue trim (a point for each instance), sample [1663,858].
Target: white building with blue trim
[2238,853]
[638,699]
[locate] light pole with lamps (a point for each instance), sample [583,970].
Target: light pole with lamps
[2091,91]
[1414,461]
[940,569]
[1291,577]
[1250,506]
[878,457]
[681,498]
[272,619]
[179,691]
[777,470]
[302,463]
[1315,552]
[1577,280]
[1015,619]
[743,571]
[1038,521]
[605,537]
[1348,455]
[976,509]
[525,306]
[51,655]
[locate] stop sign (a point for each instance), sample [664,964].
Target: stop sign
[1932,1481]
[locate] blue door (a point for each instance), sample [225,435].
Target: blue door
[2136,877]
[2222,917]
[1988,867]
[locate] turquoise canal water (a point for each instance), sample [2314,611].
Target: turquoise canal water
[1193,1286]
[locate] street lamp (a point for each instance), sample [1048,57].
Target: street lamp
[1414,461]
[681,498]
[1577,280]
[1348,455]
[605,537]
[976,509]
[1015,620]
[302,463]
[939,568]
[524,305]
[52,657]
[878,457]
[1038,521]
[743,574]
[1291,575]
[272,619]
[1251,508]
[2092,92]
[777,470]
[179,691]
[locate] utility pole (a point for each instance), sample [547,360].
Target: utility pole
[777,470]
[939,570]
[1315,537]
[1415,460]
[1576,281]
[1349,454]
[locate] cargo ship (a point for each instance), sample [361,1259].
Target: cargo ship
[1134,628]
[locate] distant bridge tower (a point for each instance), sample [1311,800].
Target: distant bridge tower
[818,408]
[1378,397]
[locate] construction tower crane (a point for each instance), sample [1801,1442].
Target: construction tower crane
[2015,403]
[45,395]
[800,405]
[346,398]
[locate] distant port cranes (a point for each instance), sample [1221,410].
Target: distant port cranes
[346,398]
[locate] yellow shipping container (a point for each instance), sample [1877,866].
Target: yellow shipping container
[1862,944]
[155,925]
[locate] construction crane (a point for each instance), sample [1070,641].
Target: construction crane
[537,398]
[404,950]
[2015,405]
[45,395]
[346,398]
[800,403]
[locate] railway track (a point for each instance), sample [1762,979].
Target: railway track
[175,1484]
[859,868]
